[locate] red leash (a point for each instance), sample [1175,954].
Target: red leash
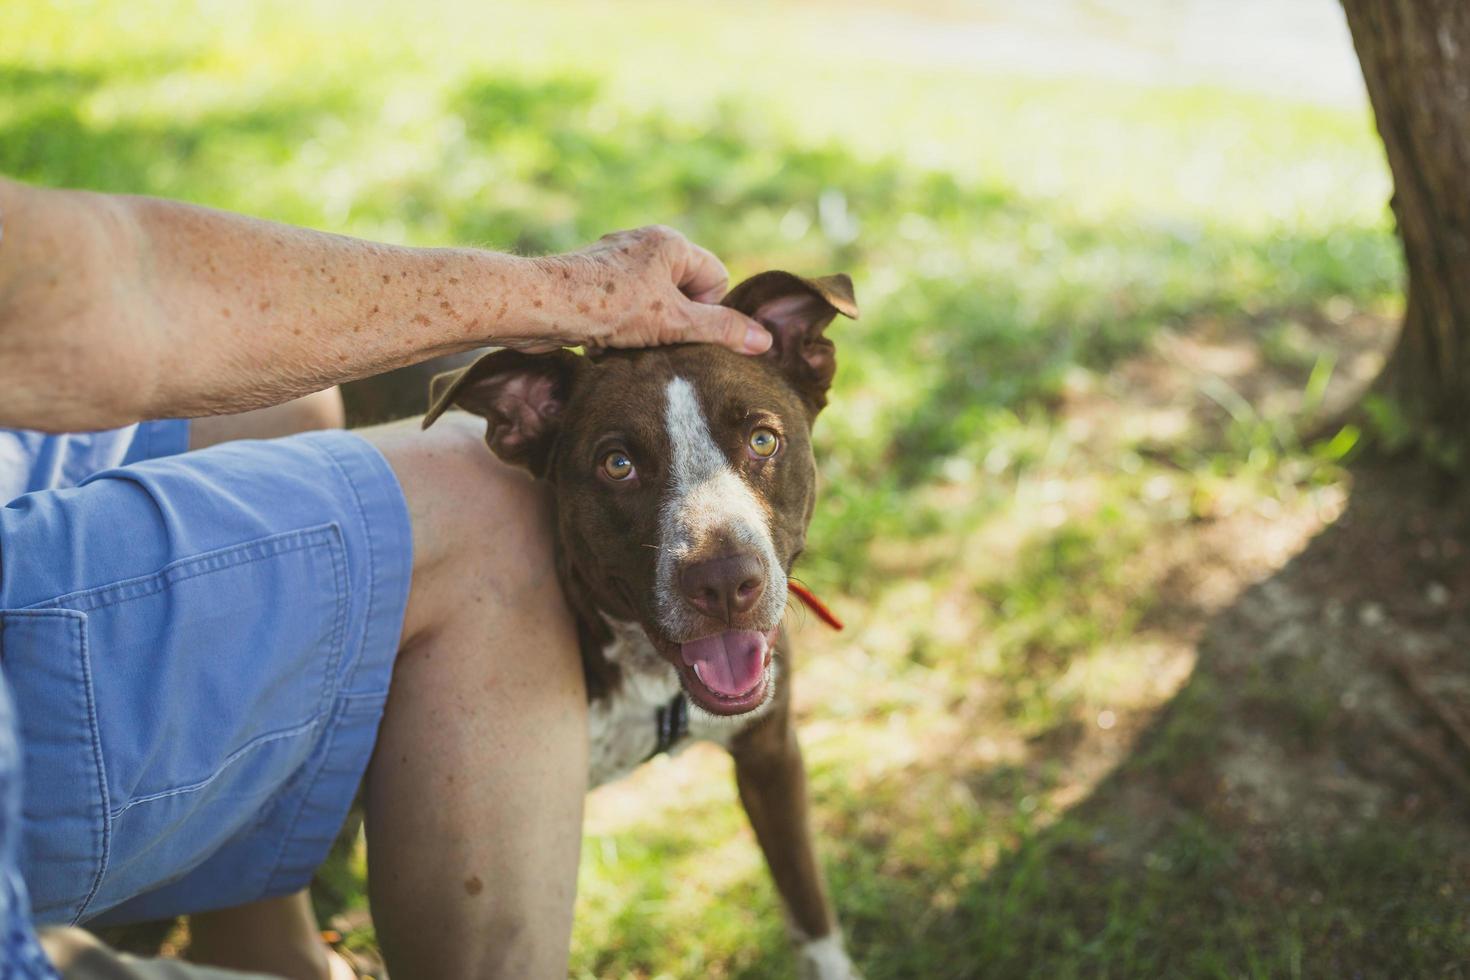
[815,605]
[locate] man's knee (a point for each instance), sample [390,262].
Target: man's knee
[502,566]
[511,534]
[483,543]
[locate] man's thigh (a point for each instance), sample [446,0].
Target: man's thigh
[200,647]
[321,410]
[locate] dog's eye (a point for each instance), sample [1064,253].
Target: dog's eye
[764,442]
[617,465]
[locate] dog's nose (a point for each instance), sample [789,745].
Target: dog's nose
[722,587]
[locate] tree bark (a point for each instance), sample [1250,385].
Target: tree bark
[1415,56]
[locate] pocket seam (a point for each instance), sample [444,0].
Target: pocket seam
[142,586]
[78,621]
[228,761]
[313,771]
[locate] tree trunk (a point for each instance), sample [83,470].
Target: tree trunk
[1415,56]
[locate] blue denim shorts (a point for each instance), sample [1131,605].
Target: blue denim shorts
[199,647]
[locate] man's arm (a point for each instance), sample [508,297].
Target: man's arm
[115,309]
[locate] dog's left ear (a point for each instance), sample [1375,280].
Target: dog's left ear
[796,311]
[520,397]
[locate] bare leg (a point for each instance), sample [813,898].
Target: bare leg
[79,955]
[322,410]
[474,794]
[276,936]
[474,800]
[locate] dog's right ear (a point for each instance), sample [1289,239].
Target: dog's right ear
[520,397]
[796,311]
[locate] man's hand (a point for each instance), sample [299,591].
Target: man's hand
[640,288]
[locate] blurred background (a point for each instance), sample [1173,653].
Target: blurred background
[1120,265]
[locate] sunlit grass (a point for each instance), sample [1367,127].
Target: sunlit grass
[1054,276]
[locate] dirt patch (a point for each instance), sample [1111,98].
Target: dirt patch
[1324,702]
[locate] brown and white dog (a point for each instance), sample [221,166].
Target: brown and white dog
[683,481]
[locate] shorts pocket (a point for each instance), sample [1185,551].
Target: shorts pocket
[65,806]
[211,683]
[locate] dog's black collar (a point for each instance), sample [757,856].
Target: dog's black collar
[671,722]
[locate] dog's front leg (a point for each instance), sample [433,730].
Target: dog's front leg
[772,782]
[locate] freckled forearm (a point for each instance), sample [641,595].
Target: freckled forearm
[298,310]
[119,308]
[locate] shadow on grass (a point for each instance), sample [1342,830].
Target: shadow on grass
[1287,814]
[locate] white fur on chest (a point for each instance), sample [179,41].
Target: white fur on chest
[621,727]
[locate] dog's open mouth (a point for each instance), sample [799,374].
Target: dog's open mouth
[726,673]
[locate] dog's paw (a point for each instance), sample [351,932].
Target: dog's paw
[826,959]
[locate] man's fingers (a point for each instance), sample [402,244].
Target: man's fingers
[699,274]
[730,328]
[701,280]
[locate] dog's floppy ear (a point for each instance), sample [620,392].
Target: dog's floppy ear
[796,311]
[520,397]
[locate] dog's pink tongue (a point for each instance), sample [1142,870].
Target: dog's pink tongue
[730,663]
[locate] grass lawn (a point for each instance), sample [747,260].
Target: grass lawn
[1067,433]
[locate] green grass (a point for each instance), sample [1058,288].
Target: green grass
[1017,244]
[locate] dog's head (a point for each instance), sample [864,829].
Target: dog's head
[683,475]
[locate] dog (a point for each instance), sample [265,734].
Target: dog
[683,482]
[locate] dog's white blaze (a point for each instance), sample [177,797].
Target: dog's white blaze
[706,497]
